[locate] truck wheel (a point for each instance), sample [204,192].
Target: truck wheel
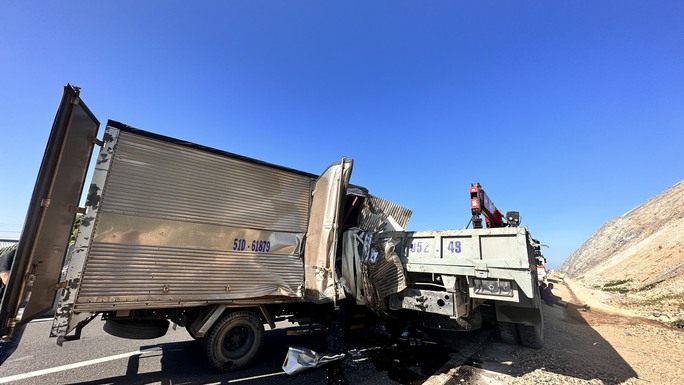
[136,330]
[473,321]
[532,336]
[234,341]
[508,332]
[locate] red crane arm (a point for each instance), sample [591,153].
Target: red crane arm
[481,204]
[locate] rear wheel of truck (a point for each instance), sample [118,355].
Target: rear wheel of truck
[508,332]
[531,336]
[234,341]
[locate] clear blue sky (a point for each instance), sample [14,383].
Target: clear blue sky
[570,112]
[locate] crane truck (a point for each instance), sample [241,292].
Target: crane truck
[221,244]
[454,276]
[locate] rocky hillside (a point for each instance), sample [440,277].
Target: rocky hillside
[639,255]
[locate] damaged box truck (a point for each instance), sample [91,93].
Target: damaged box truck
[222,244]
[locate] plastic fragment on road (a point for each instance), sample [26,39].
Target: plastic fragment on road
[300,359]
[359,355]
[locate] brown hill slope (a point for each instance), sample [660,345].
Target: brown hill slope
[640,254]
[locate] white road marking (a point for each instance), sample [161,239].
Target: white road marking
[21,359]
[39,320]
[37,373]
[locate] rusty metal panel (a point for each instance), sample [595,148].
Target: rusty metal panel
[178,225]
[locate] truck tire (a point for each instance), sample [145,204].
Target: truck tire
[136,330]
[508,332]
[532,336]
[234,341]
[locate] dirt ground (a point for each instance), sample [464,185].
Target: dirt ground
[595,345]
[652,349]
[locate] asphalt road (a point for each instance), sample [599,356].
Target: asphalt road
[178,359]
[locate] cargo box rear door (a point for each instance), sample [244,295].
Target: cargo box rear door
[320,277]
[44,240]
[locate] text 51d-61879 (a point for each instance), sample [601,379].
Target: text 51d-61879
[258,246]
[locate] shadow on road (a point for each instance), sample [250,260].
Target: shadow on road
[571,348]
[377,359]
[185,363]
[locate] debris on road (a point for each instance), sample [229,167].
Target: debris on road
[300,359]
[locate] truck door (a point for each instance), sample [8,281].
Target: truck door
[320,277]
[44,239]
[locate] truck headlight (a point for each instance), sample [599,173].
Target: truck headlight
[493,287]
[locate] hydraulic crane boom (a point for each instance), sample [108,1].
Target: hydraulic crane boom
[480,204]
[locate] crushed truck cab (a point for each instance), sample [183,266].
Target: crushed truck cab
[453,275]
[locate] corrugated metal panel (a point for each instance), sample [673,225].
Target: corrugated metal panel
[384,273]
[118,274]
[152,178]
[176,226]
[6,245]
[376,210]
